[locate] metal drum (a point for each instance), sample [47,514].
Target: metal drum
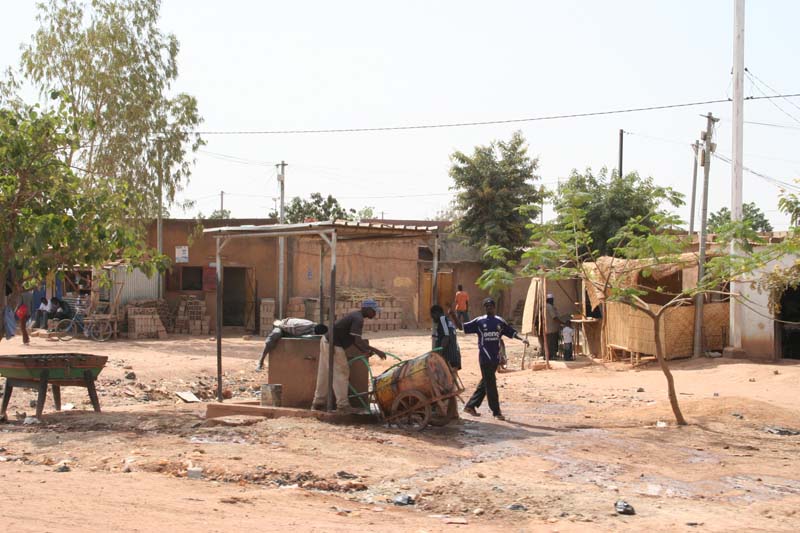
[427,374]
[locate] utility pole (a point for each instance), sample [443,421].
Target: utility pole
[705,159]
[282,240]
[736,310]
[221,204]
[695,147]
[621,133]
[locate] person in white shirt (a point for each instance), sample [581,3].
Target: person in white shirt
[567,333]
[41,313]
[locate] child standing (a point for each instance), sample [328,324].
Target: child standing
[566,340]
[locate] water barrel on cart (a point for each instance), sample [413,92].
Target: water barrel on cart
[428,374]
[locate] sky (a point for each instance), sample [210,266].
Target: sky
[266,65]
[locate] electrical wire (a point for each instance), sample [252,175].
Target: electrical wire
[236,159]
[491,122]
[779,108]
[762,82]
[774,181]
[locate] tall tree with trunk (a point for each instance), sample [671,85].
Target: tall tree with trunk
[751,212]
[496,195]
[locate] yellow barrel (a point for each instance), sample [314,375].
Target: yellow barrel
[428,374]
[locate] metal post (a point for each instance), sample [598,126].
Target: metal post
[221,204]
[218,266]
[695,147]
[281,243]
[435,283]
[701,264]
[321,282]
[621,133]
[332,316]
[736,310]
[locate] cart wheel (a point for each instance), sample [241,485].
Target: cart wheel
[65,329]
[101,330]
[411,410]
[442,419]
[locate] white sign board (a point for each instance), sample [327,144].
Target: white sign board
[181,254]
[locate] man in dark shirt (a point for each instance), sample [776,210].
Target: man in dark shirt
[346,332]
[489,328]
[444,334]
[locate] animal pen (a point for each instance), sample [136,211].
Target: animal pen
[328,233]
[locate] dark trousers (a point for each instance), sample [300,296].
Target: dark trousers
[41,319]
[23,324]
[552,344]
[486,387]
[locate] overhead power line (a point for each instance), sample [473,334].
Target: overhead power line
[782,184]
[490,122]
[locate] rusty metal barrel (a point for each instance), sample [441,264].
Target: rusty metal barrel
[428,374]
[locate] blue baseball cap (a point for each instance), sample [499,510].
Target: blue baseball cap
[369,303]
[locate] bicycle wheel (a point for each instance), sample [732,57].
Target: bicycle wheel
[101,330]
[65,329]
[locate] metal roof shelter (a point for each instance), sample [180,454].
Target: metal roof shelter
[329,233]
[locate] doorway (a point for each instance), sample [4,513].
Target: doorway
[788,340]
[234,296]
[444,289]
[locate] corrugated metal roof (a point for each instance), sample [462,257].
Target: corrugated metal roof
[343,227]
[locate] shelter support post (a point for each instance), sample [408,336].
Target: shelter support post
[321,282]
[435,281]
[332,316]
[218,266]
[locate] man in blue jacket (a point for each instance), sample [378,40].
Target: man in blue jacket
[489,328]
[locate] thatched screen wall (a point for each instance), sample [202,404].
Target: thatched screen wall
[632,329]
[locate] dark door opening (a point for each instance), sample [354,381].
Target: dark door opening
[789,334]
[234,296]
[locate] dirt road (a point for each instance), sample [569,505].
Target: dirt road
[576,441]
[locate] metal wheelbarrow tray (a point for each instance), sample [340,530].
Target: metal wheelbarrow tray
[36,371]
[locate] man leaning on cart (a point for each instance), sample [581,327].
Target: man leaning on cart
[346,332]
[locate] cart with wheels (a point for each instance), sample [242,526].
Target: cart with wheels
[415,393]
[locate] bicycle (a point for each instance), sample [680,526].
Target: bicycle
[96,329]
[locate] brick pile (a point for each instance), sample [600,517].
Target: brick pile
[144,323]
[349,299]
[267,314]
[191,317]
[161,307]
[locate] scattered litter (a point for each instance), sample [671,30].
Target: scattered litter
[694,524]
[716,394]
[403,499]
[776,372]
[187,397]
[341,511]
[68,407]
[740,416]
[478,511]
[32,403]
[623,507]
[341,474]
[640,389]
[194,472]
[713,355]
[21,416]
[456,520]
[752,380]
[778,430]
[130,375]
[63,467]
[29,420]
[661,424]
[517,507]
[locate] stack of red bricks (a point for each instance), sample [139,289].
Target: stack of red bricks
[144,323]
[192,317]
[390,317]
[267,315]
[161,307]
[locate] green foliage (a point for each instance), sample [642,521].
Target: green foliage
[218,214]
[750,212]
[496,197]
[49,217]
[115,68]
[789,203]
[318,208]
[609,203]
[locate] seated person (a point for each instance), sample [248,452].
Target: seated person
[63,310]
[289,327]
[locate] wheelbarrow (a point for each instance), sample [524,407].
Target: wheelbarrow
[415,393]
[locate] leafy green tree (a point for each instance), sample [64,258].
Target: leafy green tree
[612,201]
[49,217]
[116,68]
[218,214]
[750,212]
[566,249]
[496,196]
[316,208]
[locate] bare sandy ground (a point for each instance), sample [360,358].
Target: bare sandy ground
[576,441]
